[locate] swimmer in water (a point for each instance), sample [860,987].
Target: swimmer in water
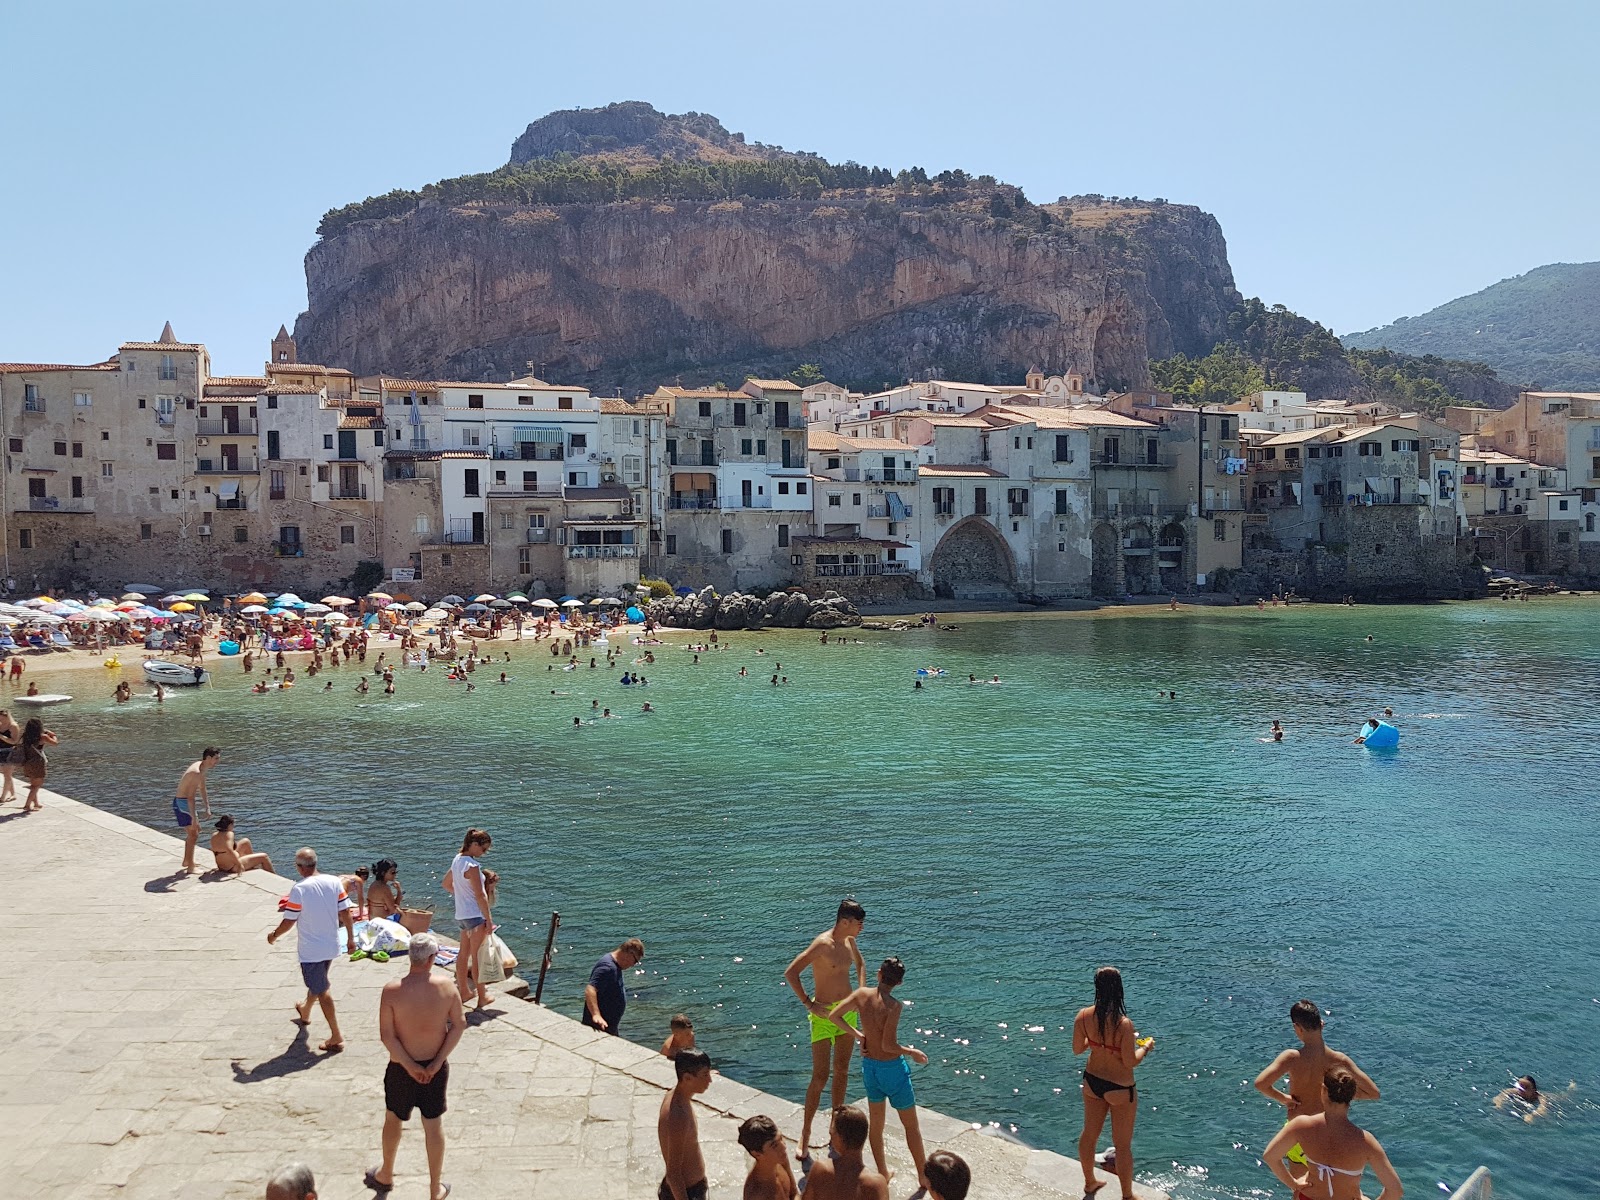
[1388,712]
[996,679]
[1369,637]
[647,708]
[918,686]
[503,678]
[328,688]
[362,689]
[1367,730]
[1525,1092]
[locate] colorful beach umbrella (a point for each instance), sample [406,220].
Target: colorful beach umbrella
[252,598]
[197,598]
[182,606]
[379,596]
[317,609]
[516,597]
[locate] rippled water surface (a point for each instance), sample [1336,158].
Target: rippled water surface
[1440,902]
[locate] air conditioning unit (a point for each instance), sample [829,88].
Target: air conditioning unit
[202,441]
[205,531]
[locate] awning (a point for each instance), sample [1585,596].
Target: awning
[693,481]
[1374,485]
[228,489]
[537,433]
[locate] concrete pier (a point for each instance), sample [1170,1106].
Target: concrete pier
[149,1055]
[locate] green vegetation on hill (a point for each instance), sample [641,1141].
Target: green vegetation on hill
[1542,327]
[1267,346]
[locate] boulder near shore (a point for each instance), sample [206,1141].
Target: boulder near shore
[781,610]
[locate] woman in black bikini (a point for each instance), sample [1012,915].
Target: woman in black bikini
[1106,1031]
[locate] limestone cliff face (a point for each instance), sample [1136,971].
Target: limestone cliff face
[633,293]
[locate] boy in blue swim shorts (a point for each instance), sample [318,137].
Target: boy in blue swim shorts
[192,788]
[884,1069]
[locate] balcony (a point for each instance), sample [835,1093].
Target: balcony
[454,537]
[545,452]
[728,502]
[36,405]
[347,493]
[1502,483]
[162,418]
[221,427]
[288,549]
[855,570]
[1123,509]
[602,551]
[1143,462]
[506,491]
[227,466]
[1267,466]
[694,503]
[58,504]
[538,537]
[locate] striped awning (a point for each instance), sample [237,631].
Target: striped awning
[538,433]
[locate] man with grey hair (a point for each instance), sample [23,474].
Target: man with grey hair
[420,1020]
[316,907]
[293,1182]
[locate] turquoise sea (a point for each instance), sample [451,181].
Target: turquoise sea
[1438,902]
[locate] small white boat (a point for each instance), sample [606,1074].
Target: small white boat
[42,698]
[173,674]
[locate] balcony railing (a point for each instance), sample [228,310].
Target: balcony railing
[694,502]
[538,536]
[348,493]
[853,570]
[221,427]
[1160,462]
[227,466]
[729,502]
[1124,509]
[603,551]
[508,491]
[35,405]
[546,452]
[455,537]
[289,549]
[71,504]
[162,418]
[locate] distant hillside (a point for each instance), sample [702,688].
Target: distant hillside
[1542,327]
[1269,346]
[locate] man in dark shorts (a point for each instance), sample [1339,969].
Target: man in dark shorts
[315,908]
[420,1020]
[604,999]
[685,1176]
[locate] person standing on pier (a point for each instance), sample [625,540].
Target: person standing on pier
[604,997]
[1306,1065]
[1336,1151]
[685,1175]
[1106,1031]
[315,907]
[190,788]
[831,956]
[420,1021]
[466,883]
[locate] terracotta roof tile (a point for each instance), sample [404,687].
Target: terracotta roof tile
[348,422]
[167,346]
[31,368]
[775,385]
[961,469]
[291,389]
[236,381]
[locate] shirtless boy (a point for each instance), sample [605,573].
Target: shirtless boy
[883,1062]
[235,855]
[685,1177]
[681,1036]
[830,956]
[843,1175]
[1336,1152]
[420,1021]
[1307,1065]
[191,787]
[770,1177]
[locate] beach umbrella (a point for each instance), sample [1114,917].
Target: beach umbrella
[172,597]
[572,604]
[103,602]
[484,599]
[44,619]
[337,601]
[253,609]
[516,597]
[129,606]
[379,596]
[416,608]
[434,614]
[133,596]
[452,599]
[197,598]
[8,619]
[475,607]
[280,597]
[252,598]
[499,604]
[635,615]
[317,608]
[182,606]
[541,602]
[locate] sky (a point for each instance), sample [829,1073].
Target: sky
[170,161]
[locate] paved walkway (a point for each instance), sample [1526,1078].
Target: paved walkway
[148,1054]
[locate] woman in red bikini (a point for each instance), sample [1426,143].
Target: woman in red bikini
[1106,1031]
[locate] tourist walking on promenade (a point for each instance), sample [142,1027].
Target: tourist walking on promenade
[1337,1151]
[604,997]
[420,1021]
[831,956]
[1307,1064]
[316,906]
[842,1174]
[10,735]
[465,882]
[883,1063]
[192,787]
[28,757]
[685,1176]
[1106,1031]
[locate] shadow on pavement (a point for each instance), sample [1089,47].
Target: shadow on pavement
[297,1056]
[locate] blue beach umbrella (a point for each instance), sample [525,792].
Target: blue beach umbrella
[635,615]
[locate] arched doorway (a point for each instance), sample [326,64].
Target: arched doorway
[972,561]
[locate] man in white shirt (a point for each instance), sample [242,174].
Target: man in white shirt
[316,907]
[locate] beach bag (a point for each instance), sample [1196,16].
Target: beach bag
[417,920]
[508,960]
[491,967]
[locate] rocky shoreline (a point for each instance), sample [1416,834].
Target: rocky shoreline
[705,609]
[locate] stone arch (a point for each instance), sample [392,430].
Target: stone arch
[1107,550]
[972,561]
[1139,559]
[1169,566]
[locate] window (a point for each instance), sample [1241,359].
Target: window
[564,402]
[347,535]
[1563,506]
[77,487]
[15,445]
[174,493]
[727,541]
[761,445]
[105,470]
[580,443]
[327,441]
[1017,498]
[272,444]
[577,479]
[783,535]
[272,402]
[944,501]
[672,543]
[241,533]
[105,436]
[471,437]
[1563,537]
[536,520]
[783,488]
[705,408]
[82,400]
[1111,450]
[1063,447]
[474,401]
[833,463]
[444,560]
[524,399]
[835,500]
[855,499]
[61,449]
[1224,428]
[469,482]
[77,449]
[980,501]
[745,445]
[1016,443]
[633,470]
[524,560]
[25,539]
[1063,502]
[144,533]
[377,437]
[167,451]
[324,473]
[168,371]
[506,520]
[1219,530]
[800,489]
[1313,451]
[421,525]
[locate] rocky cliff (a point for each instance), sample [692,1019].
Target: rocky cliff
[628,249]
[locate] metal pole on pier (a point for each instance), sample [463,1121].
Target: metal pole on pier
[549,948]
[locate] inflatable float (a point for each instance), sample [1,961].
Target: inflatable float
[228,648]
[932,672]
[42,699]
[1382,737]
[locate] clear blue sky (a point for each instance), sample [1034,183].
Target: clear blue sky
[1366,160]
